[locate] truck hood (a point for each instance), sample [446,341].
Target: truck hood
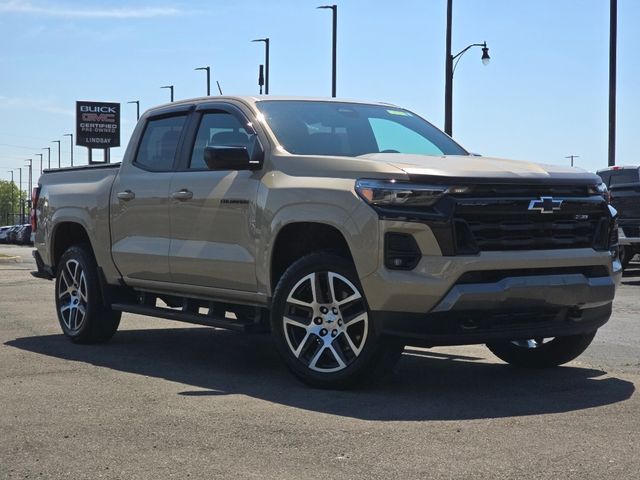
[468,167]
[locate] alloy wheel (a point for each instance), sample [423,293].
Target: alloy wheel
[72,295]
[325,322]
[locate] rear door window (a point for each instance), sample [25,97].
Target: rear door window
[159,143]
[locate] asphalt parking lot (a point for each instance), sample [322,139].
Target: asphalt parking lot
[165,400]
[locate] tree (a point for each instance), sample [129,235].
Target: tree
[9,216]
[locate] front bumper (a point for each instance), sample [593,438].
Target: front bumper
[468,328]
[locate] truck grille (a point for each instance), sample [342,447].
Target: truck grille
[507,224]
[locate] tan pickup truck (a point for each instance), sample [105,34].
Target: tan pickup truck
[347,229]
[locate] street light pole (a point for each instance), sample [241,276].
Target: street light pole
[41,155]
[335,46]
[266,62]
[48,149]
[208,69]
[71,138]
[30,181]
[13,203]
[59,161]
[572,157]
[450,68]
[613,41]
[21,200]
[137,102]
[170,87]
[448,84]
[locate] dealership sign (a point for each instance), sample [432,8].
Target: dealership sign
[97,124]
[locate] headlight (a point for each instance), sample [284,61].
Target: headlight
[600,189]
[392,193]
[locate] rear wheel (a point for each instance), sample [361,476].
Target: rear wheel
[81,313]
[541,352]
[626,254]
[322,328]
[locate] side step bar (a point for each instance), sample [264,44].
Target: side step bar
[187,317]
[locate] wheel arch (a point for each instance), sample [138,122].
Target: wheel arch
[297,239]
[65,234]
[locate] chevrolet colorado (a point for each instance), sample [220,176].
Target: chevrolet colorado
[347,229]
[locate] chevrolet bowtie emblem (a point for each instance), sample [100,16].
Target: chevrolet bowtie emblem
[545,205]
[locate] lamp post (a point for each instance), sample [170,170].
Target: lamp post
[450,68]
[58,142]
[137,102]
[71,138]
[613,44]
[13,203]
[40,155]
[266,62]
[20,199]
[208,69]
[334,49]
[170,87]
[572,157]
[48,149]
[30,181]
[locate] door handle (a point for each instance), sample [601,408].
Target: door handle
[126,195]
[183,194]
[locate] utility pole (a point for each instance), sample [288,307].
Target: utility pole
[613,36]
[572,157]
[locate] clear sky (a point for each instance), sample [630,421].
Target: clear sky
[544,95]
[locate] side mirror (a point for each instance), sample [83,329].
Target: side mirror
[229,158]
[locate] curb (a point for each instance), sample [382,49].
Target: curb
[10,259]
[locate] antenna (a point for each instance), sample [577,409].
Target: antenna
[219,89]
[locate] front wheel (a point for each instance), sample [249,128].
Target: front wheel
[82,315]
[321,325]
[541,352]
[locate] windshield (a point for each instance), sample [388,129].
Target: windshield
[351,129]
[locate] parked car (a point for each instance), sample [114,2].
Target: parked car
[12,234]
[348,229]
[23,236]
[4,231]
[623,183]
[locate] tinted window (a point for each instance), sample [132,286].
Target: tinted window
[623,176]
[351,129]
[219,129]
[159,143]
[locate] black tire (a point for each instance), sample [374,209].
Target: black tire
[345,324]
[81,312]
[626,254]
[538,354]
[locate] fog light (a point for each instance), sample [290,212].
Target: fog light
[401,252]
